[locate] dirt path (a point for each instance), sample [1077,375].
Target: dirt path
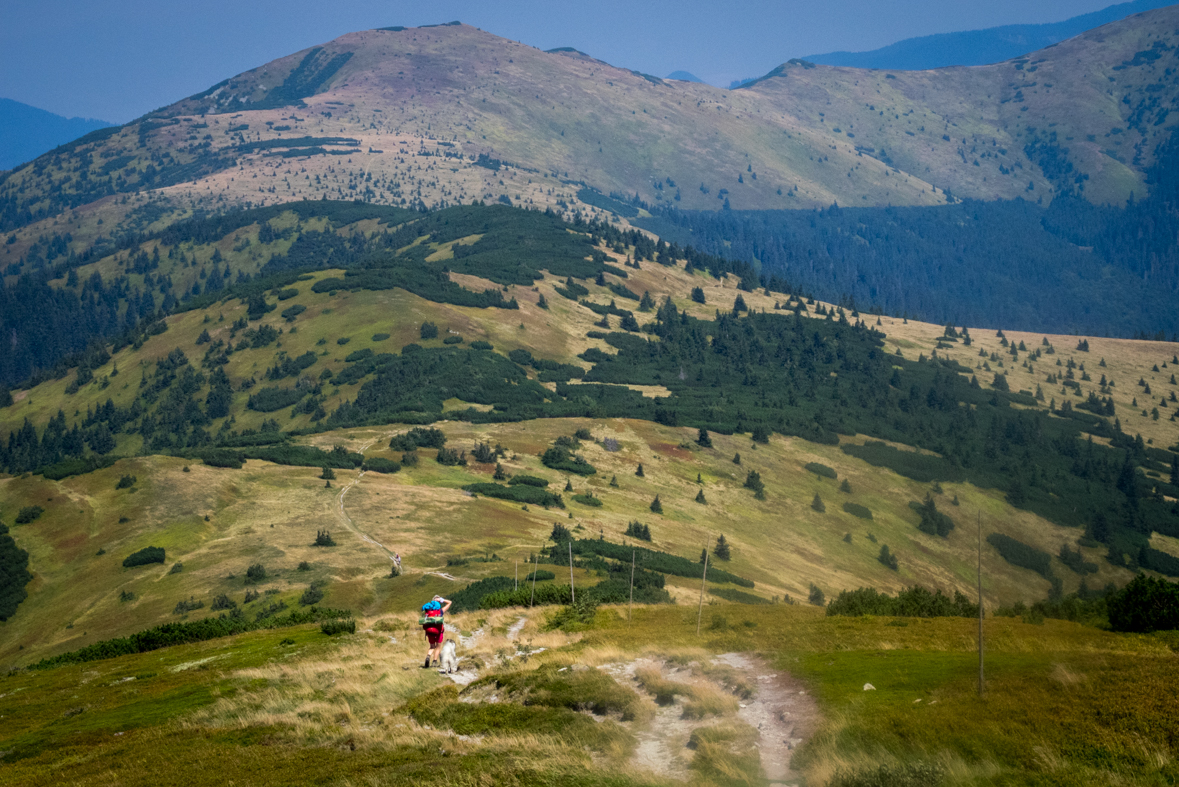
[347,520]
[780,710]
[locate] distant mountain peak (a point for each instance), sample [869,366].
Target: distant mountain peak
[26,131]
[684,76]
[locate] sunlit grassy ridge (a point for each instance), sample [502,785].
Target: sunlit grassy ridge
[1064,704]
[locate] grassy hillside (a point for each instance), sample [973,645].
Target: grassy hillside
[1064,704]
[270,514]
[343,370]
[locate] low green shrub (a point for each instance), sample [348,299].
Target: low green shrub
[738,596]
[169,634]
[1023,555]
[334,627]
[313,595]
[528,480]
[29,514]
[857,510]
[144,557]
[821,470]
[379,464]
[522,493]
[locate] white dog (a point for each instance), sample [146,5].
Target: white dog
[448,663]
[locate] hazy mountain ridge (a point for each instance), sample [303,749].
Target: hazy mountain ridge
[980,47]
[27,132]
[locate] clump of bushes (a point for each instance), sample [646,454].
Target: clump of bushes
[183,607]
[313,595]
[1023,555]
[449,457]
[857,510]
[528,480]
[255,573]
[639,531]
[126,482]
[418,438]
[29,514]
[933,522]
[914,602]
[821,470]
[324,539]
[144,557]
[222,601]
[334,627]
[379,464]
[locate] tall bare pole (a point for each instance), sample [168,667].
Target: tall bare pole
[632,586]
[981,678]
[703,579]
[572,592]
[535,563]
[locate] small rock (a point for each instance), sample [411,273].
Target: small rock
[916,700]
[867,687]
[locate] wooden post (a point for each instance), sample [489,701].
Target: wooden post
[703,579]
[632,586]
[981,677]
[517,585]
[572,592]
[535,563]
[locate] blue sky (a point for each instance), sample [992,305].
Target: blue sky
[116,59]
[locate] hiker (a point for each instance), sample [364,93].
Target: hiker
[397,562]
[434,626]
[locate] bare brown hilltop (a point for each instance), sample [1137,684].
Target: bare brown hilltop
[352,118]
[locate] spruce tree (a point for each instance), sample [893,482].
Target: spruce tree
[703,439]
[736,459]
[817,504]
[721,550]
[845,486]
[1175,470]
[816,596]
[656,506]
[614,481]
[700,498]
[568,485]
[639,472]
[328,473]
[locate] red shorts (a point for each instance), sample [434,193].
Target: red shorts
[434,634]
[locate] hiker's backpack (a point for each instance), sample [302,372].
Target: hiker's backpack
[431,618]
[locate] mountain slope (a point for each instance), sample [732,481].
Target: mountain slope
[981,47]
[27,132]
[274,373]
[434,116]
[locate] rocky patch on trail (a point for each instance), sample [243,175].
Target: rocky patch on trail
[778,707]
